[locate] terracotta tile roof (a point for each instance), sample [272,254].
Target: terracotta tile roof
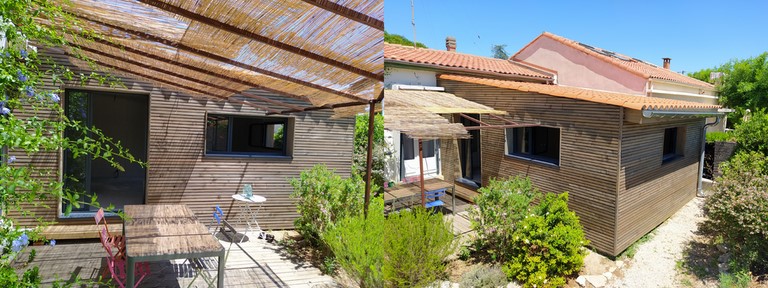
[457,60]
[631,64]
[610,98]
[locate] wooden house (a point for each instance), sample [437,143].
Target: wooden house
[212,101]
[628,162]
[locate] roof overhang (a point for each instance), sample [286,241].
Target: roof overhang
[214,49]
[417,113]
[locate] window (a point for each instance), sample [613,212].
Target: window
[535,143]
[410,147]
[674,143]
[248,136]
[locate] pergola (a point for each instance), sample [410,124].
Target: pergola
[417,113]
[327,53]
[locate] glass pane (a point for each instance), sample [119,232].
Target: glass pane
[408,147]
[670,135]
[76,108]
[217,133]
[428,148]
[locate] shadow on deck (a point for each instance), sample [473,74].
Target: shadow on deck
[254,263]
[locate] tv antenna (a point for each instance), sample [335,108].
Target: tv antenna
[413,24]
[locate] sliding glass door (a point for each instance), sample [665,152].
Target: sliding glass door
[122,117]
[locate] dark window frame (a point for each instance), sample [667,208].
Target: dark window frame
[672,144]
[512,150]
[288,131]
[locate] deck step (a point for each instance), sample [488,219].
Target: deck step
[72,232]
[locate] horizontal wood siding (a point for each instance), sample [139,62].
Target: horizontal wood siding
[588,151]
[649,191]
[180,173]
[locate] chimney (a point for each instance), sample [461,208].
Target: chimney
[666,62]
[450,43]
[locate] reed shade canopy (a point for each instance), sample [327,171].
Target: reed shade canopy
[416,113]
[328,53]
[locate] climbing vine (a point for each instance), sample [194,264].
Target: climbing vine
[33,122]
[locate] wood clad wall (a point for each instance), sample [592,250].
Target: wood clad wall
[649,191]
[180,173]
[588,153]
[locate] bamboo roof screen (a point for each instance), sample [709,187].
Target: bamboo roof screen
[415,113]
[325,52]
[628,101]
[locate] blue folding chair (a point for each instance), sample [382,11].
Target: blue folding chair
[218,216]
[433,198]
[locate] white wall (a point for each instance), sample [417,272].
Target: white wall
[409,77]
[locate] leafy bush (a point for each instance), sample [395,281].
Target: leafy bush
[324,198]
[380,150]
[738,210]
[484,277]
[750,134]
[500,206]
[416,247]
[357,244]
[547,244]
[717,136]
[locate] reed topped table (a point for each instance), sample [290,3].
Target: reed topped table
[166,232]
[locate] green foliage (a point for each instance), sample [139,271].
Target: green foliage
[484,277]
[703,74]
[751,134]
[738,209]
[743,86]
[380,149]
[357,244]
[717,136]
[32,121]
[739,280]
[324,198]
[632,249]
[400,39]
[499,51]
[500,206]
[547,244]
[416,246]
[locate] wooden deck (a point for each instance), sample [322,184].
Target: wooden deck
[254,263]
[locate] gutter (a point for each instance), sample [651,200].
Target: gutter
[681,114]
[699,188]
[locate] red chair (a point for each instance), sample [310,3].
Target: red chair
[116,266]
[117,241]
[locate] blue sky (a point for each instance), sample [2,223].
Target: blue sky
[695,34]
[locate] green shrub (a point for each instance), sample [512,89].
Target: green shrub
[717,136]
[357,244]
[547,245]
[751,134]
[380,150]
[416,246]
[500,206]
[738,210]
[484,277]
[324,198]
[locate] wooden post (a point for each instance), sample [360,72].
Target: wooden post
[421,174]
[369,160]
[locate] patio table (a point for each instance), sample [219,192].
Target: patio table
[413,189]
[166,232]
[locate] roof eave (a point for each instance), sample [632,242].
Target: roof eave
[467,70]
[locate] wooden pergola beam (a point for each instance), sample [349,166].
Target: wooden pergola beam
[324,107]
[347,12]
[258,37]
[173,74]
[199,70]
[194,68]
[214,57]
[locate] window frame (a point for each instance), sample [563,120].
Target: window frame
[678,144]
[533,158]
[288,134]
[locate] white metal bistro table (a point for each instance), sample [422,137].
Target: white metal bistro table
[165,232]
[249,213]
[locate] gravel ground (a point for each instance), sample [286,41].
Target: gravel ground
[654,262]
